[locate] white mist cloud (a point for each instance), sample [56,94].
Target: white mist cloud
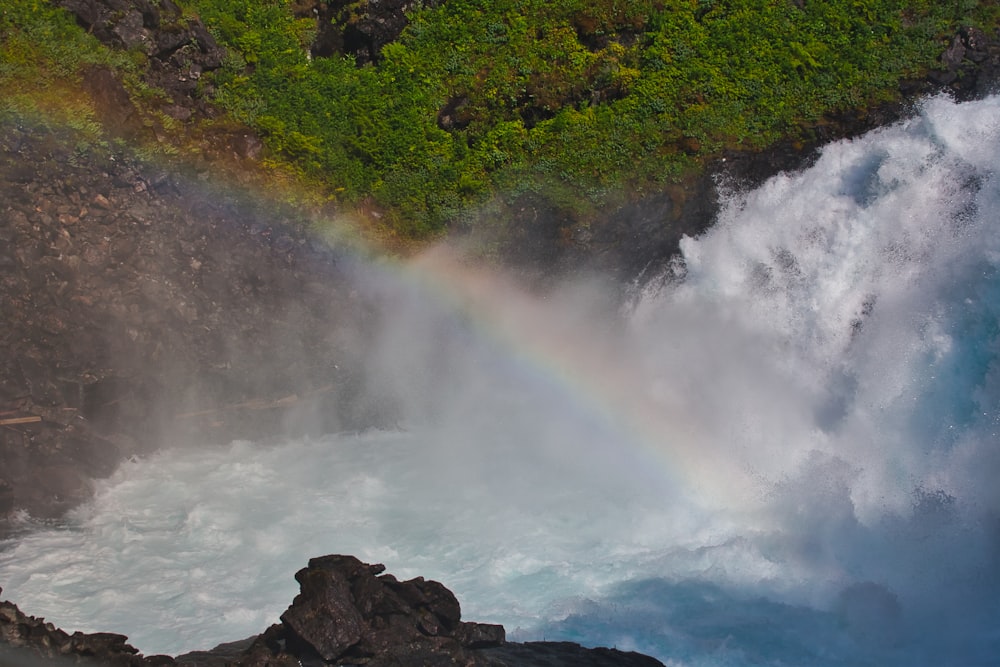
[796,438]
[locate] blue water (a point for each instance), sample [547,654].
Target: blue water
[786,455]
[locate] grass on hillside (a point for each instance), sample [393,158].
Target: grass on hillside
[578,100]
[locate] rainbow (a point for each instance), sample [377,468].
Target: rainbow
[660,438]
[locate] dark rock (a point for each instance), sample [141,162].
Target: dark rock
[553,654]
[131,32]
[347,613]
[87,12]
[27,640]
[953,56]
[168,42]
[359,28]
[6,497]
[212,55]
[480,635]
[180,50]
[100,643]
[433,597]
[323,618]
[220,656]
[977,44]
[112,102]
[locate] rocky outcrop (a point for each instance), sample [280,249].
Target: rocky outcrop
[27,640]
[347,613]
[552,654]
[357,27]
[179,49]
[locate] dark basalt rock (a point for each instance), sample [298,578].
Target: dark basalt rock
[113,103]
[358,27]
[27,640]
[550,654]
[180,49]
[347,613]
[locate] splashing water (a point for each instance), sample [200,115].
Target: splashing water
[786,456]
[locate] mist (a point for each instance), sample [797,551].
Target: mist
[783,453]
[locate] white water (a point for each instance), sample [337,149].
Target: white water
[788,457]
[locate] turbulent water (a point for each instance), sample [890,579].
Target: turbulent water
[786,455]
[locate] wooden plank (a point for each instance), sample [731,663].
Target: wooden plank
[20,420]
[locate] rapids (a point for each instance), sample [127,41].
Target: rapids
[786,453]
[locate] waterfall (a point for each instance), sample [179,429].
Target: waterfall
[786,454]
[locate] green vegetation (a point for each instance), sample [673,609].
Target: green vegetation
[42,52]
[580,100]
[576,98]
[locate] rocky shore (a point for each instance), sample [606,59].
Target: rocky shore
[347,613]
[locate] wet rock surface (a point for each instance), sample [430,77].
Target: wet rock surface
[27,641]
[347,613]
[143,310]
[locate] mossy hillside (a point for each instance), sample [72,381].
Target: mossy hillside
[585,102]
[42,54]
[578,99]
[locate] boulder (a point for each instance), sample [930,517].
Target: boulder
[350,611]
[27,640]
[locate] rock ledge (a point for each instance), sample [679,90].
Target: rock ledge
[346,613]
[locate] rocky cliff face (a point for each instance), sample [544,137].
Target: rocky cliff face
[347,613]
[143,308]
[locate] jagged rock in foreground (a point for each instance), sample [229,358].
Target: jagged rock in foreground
[27,640]
[347,613]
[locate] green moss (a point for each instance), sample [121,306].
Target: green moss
[578,99]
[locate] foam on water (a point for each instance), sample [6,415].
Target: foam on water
[786,456]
